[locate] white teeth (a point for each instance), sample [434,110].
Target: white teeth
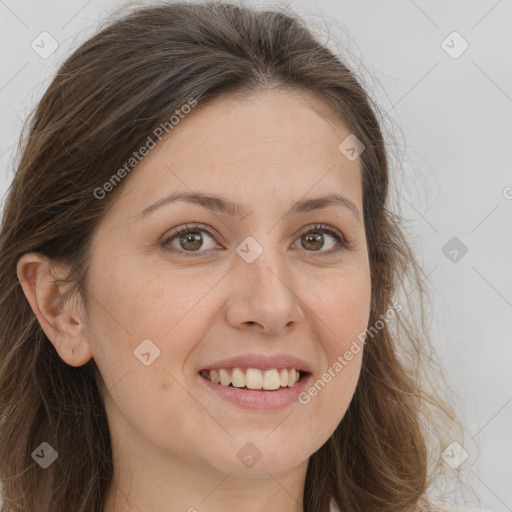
[237,378]
[271,379]
[253,378]
[283,377]
[293,377]
[225,380]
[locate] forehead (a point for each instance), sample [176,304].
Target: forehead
[267,146]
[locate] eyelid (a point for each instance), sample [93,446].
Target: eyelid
[185,228]
[327,228]
[344,242]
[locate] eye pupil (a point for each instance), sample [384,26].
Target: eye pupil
[191,237]
[316,239]
[191,240]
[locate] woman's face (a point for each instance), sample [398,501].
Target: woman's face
[258,281]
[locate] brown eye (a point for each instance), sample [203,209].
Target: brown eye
[189,240]
[314,239]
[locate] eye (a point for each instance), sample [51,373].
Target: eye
[188,239]
[314,239]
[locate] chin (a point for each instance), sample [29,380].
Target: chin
[277,464]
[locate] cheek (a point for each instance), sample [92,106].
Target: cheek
[342,313]
[146,315]
[350,314]
[137,319]
[343,306]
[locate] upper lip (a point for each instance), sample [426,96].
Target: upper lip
[261,362]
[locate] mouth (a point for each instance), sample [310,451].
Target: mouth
[254,378]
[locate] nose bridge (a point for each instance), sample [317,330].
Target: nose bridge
[266,261]
[263,290]
[269,273]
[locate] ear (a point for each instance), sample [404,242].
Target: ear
[61,321]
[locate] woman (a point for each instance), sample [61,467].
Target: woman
[200,282]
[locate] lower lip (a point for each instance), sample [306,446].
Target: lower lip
[259,399]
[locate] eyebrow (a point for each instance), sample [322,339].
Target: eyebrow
[231,208]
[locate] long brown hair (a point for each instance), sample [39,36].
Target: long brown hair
[104,102]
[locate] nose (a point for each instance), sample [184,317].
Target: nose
[263,297]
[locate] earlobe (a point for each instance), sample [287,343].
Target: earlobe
[59,320]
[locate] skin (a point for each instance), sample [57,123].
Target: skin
[175,444]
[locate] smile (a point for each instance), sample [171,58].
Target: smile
[254,378]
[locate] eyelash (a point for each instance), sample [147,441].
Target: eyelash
[343,242]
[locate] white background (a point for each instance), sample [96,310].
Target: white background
[453,123]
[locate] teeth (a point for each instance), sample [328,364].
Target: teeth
[271,379]
[224,378]
[214,376]
[238,379]
[293,377]
[253,378]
